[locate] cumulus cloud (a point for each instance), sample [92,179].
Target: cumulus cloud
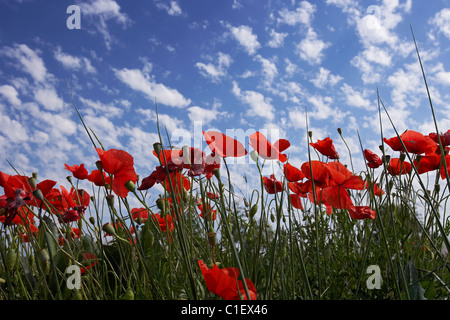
[311,48]
[441,22]
[27,60]
[324,77]
[140,81]
[276,38]
[172,8]
[72,62]
[244,35]
[10,94]
[100,12]
[260,106]
[215,71]
[302,15]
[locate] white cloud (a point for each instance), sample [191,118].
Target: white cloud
[10,93]
[172,8]
[100,12]
[355,98]
[441,22]
[441,75]
[29,61]
[93,108]
[311,48]
[71,62]
[244,35]
[259,105]
[215,72]
[269,69]
[139,81]
[276,39]
[48,98]
[204,115]
[324,77]
[302,15]
[165,121]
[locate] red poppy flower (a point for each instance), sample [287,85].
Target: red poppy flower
[296,201]
[266,150]
[12,206]
[207,212]
[397,167]
[319,171]
[341,179]
[89,261]
[272,185]
[137,213]
[300,188]
[414,141]
[361,212]
[165,223]
[78,171]
[223,145]
[212,164]
[427,163]
[170,158]
[224,282]
[99,178]
[373,160]
[120,165]
[178,182]
[157,176]
[445,138]
[292,173]
[326,147]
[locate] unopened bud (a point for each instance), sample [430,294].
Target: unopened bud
[339,130]
[110,200]
[157,147]
[92,220]
[217,173]
[99,165]
[254,155]
[69,178]
[130,186]
[402,156]
[253,210]
[38,194]
[109,228]
[32,182]
[10,260]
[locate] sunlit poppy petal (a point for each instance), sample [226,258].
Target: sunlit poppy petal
[224,145]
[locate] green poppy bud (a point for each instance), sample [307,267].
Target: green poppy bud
[99,165]
[253,210]
[38,194]
[92,220]
[69,178]
[110,200]
[130,186]
[339,130]
[10,260]
[157,147]
[129,295]
[109,228]
[32,182]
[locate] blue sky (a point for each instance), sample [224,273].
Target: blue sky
[223,65]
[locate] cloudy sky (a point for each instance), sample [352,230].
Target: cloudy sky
[236,66]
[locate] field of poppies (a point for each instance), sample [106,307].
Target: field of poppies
[318,230]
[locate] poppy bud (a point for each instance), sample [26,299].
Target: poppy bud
[157,147]
[310,134]
[161,204]
[129,295]
[43,255]
[246,202]
[254,155]
[99,165]
[34,175]
[437,188]
[130,186]
[339,130]
[253,210]
[217,173]
[110,200]
[69,178]
[109,228]
[32,182]
[402,156]
[38,194]
[212,236]
[272,217]
[92,220]
[10,260]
